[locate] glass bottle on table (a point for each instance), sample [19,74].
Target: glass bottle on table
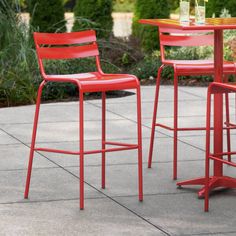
[200,12]
[184,9]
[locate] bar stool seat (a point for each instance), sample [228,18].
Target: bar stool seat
[94,81]
[198,67]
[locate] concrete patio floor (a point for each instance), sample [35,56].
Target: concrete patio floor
[53,204]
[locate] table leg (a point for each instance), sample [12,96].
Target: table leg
[218,100]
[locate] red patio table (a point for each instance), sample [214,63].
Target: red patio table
[217,25]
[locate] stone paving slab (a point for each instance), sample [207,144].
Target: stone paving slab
[199,140]
[182,214]
[184,121]
[68,131]
[5,139]
[15,157]
[121,180]
[148,94]
[47,184]
[100,217]
[165,109]
[52,112]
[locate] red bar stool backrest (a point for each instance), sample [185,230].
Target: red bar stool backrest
[60,46]
[184,38]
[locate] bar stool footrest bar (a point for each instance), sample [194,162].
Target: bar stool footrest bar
[222,160]
[231,126]
[130,147]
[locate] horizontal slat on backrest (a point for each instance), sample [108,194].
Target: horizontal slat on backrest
[68,52]
[180,31]
[87,36]
[179,37]
[195,40]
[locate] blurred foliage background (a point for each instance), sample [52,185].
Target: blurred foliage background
[94,14]
[137,54]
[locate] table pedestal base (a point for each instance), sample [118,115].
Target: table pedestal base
[214,182]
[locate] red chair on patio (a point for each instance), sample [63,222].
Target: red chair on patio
[61,46]
[176,37]
[228,182]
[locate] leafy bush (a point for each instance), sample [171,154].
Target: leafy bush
[190,53]
[147,10]
[47,16]
[18,65]
[123,5]
[5,5]
[93,14]
[69,5]
[120,53]
[147,68]
[230,45]
[174,4]
[215,7]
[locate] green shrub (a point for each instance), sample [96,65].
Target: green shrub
[215,7]
[190,53]
[230,45]
[147,10]
[47,15]
[123,5]
[146,68]
[174,4]
[69,5]
[120,53]
[94,14]
[18,65]
[5,5]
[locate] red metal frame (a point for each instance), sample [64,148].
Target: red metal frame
[86,82]
[218,180]
[177,37]
[217,25]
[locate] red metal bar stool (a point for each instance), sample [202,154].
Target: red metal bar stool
[217,88]
[176,37]
[60,46]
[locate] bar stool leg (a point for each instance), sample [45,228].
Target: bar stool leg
[103,139]
[139,131]
[206,201]
[227,125]
[81,132]
[154,116]
[175,150]
[227,118]
[34,132]
[207,160]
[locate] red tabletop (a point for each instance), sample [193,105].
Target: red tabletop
[217,25]
[211,23]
